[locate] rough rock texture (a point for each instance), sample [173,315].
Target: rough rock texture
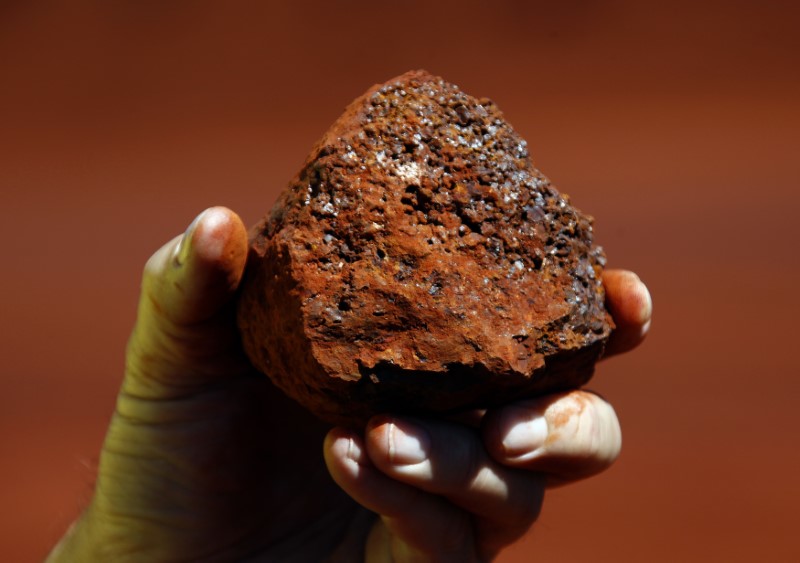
[418,262]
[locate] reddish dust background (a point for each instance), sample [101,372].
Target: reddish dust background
[676,126]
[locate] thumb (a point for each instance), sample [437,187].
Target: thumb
[185,336]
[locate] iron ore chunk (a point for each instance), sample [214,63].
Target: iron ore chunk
[419,263]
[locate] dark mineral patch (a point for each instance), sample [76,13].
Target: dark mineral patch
[418,262]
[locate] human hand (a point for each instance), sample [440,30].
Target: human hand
[205,460]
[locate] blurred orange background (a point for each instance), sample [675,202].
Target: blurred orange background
[675,124]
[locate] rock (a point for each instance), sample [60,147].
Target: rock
[419,263]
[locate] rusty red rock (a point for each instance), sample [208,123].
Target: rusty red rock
[420,263]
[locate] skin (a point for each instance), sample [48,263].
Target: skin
[204,460]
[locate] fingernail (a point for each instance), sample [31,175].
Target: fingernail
[184,248]
[646,311]
[643,297]
[526,436]
[408,443]
[354,452]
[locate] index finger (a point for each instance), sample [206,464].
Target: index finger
[630,304]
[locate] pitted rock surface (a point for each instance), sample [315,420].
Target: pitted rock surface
[419,263]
